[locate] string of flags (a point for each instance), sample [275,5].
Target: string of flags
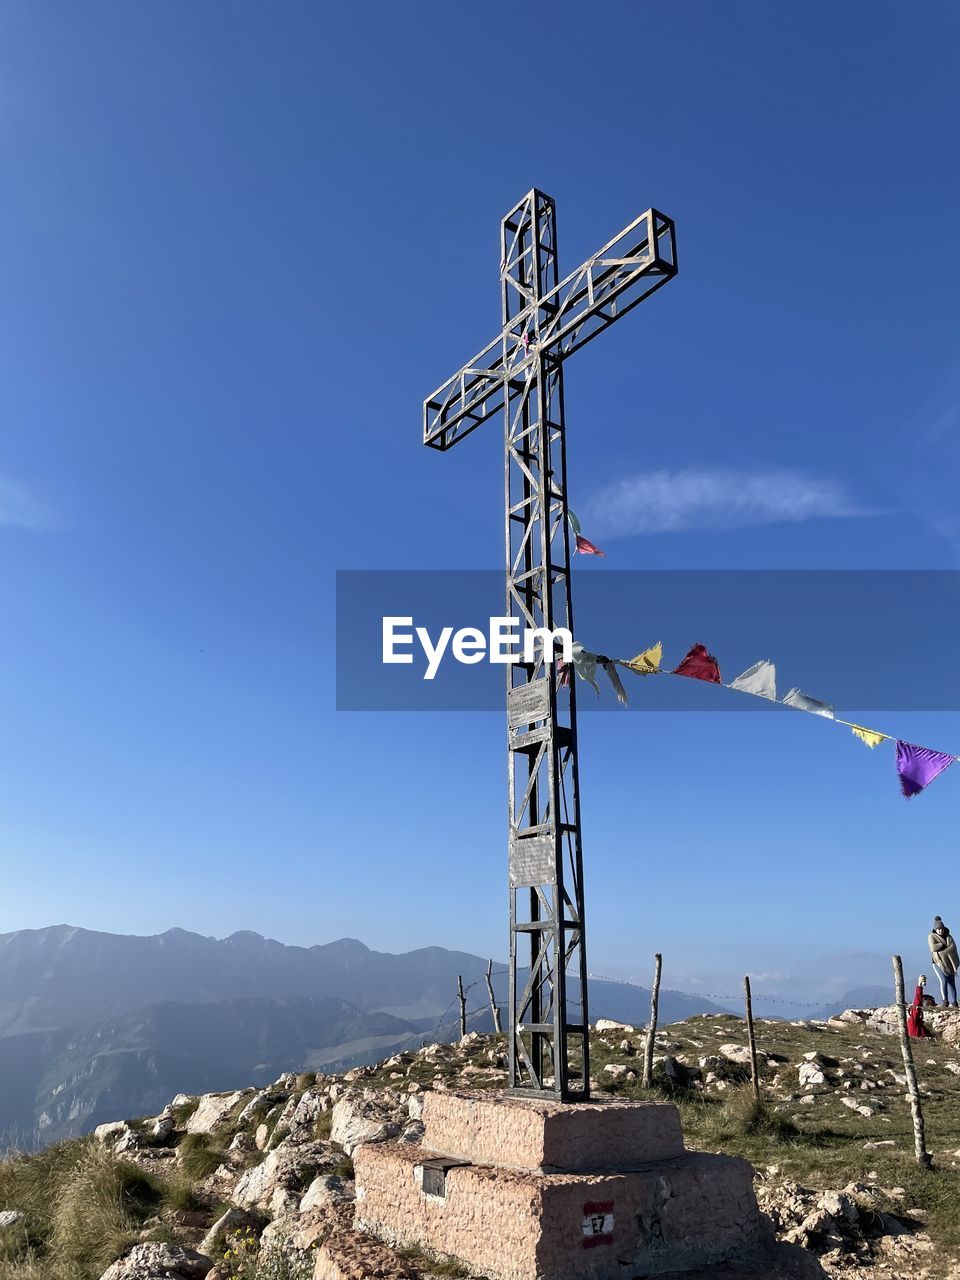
[916,766]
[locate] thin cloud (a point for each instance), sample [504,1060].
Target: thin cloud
[699,498]
[20,509]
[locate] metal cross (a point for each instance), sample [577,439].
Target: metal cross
[521,371]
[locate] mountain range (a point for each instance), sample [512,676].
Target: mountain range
[94,1025]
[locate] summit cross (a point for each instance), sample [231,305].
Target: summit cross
[545,320]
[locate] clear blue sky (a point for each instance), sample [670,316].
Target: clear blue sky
[238,245]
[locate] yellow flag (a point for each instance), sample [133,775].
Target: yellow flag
[646,663]
[869,736]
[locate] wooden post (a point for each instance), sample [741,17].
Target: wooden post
[752,1040]
[497,1025]
[463,1006]
[910,1071]
[647,1077]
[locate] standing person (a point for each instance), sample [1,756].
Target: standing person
[943,952]
[915,1023]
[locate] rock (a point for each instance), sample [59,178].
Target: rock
[810,1073]
[213,1110]
[357,1120]
[740,1054]
[328,1189]
[839,1205]
[263,1099]
[159,1262]
[110,1133]
[609,1024]
[860,1108]
[9,1218]
[162,1128]
[616,1070]
[261,1137]
[286,1167]
[226,1225]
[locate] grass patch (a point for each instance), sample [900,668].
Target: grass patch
[199,1156]
[82,1207]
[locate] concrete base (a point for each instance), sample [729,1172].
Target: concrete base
[647,1209]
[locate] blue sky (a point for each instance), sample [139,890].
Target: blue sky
[240,243]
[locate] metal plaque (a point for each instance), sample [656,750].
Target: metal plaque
[532,861]
[528,702]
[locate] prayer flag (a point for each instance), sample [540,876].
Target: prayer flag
[803,702]
[586,547]
[918,766]
[869,736]
[611,669]
[574,522]
[585,665]
[760,679]
[699,665]
[646,663]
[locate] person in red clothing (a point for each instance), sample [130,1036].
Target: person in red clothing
[915,1023]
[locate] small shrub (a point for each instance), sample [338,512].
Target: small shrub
[247,1261]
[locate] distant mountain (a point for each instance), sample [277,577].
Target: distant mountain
[64,1082]
[858,998]
[94,1025]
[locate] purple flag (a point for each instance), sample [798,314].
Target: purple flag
[918,766]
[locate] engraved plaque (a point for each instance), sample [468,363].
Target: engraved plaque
[528,702]
[532,861]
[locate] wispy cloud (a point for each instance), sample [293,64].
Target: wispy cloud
[715,498]
[21,509]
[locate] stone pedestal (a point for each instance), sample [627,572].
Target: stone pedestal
[519,1189]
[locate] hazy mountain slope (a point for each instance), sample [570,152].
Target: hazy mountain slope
[63,1082]
[62,976]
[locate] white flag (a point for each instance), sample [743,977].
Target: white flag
[803,702]
[760,679]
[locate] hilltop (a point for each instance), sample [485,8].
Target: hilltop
[256,1184]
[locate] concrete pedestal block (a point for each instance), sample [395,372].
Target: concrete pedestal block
[677,1212]
[554,1137]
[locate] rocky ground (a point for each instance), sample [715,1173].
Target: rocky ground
[258,1184]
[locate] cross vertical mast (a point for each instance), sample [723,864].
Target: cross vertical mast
[545,320]
[549,1045]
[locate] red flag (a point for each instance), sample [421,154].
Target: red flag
[699,665]
[585,546]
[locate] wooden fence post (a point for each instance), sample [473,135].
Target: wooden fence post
[497,1025]
[752,1039]
[647,1077]
[463,1006]
[910,1071]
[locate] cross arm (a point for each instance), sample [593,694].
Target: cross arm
[627,270]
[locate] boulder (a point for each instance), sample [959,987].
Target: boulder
[740,1054]
[326,1191]
[810,1074]
[213,1110]
[609,1024]
[357,1120]
[9,1218]
[286,1167]
[159,1262]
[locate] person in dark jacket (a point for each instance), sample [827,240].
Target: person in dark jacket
[943,952]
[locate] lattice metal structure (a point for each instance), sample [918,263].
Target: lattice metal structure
[545,319]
